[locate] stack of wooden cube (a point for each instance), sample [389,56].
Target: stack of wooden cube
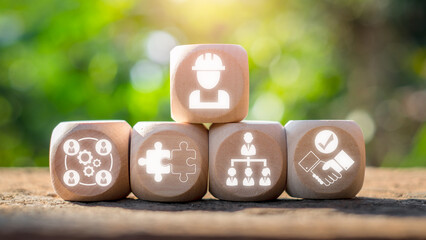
[236,160]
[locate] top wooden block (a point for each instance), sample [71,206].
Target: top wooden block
[209,83]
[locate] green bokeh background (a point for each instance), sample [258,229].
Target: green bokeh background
[85,60]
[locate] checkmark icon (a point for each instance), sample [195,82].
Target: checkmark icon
[329,140]
[326,141]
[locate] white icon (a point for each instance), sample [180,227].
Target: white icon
[326,172]
[71,147]
[232,180]
[208,67]
[265,180]
[185,168]
[326,141]
[88,171]
[71,178]
[248,150]
[180,161]
[88,162]
[103,178]
[103,147]
[85,157]
[96,163]
[154,161]
[248,180]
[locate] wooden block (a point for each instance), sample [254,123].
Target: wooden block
[326,159]
[169,161]
[247,161]
[89,160]
[209,83]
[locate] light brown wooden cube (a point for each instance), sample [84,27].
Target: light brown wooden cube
[169,161]
[89,160]
[326,159]
[209,83]
[247,161]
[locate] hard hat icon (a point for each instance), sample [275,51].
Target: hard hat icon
[208,62]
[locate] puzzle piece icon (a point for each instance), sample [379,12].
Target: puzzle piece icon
[183,161]
[154,161]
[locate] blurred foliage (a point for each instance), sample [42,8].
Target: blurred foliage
[78,60]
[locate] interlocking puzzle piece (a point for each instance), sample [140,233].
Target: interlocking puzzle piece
[183,161]
[154,161]
[188,177]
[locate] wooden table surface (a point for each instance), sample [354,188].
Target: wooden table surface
[391,205]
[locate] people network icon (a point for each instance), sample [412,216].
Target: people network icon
[92,162]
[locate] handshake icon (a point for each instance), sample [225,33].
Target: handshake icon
[326,172]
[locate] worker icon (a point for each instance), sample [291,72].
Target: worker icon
[71,147]
[103,178]
[103,147]
[232,180]
[248,180]
[248,149]
[208,67]
[265,180]
[71,178]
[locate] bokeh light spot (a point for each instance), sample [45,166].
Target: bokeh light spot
[158,46]
[365,121]
[267,106]
[146,76]
[11,28]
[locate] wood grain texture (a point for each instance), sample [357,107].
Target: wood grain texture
[391,205]
[312,144]
[247,160]
[183,154]
[89,160]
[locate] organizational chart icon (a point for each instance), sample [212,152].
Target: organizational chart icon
[248,151]
[91,162]
[208,67]
[181,161]
[330,171]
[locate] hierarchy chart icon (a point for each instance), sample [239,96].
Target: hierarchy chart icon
[90,165]
[179,162]
[249,157]
[326,171]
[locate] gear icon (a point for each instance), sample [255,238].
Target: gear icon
[97,163]
[88,171]
[84,157]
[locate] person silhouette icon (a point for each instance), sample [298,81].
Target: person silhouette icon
[248,149]
[71,180]
[103,147]
[103,178]
[265,180]
[71,148]
[248,180]
[232,180]
[208,67]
